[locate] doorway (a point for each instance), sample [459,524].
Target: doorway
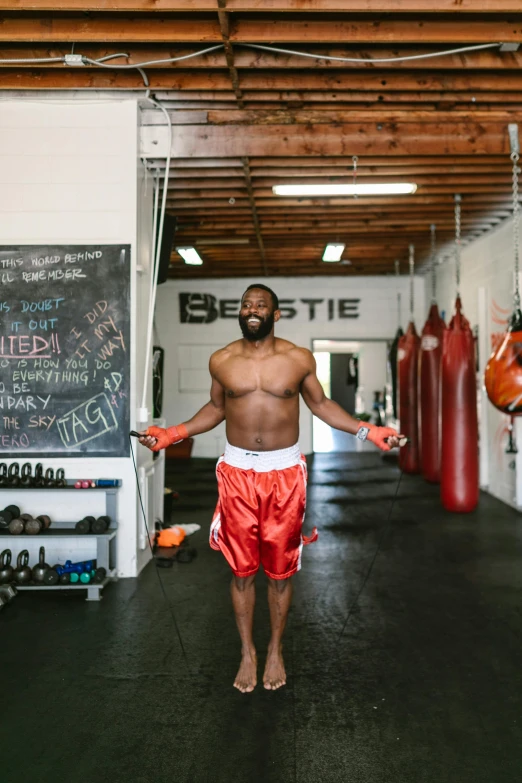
[353,374]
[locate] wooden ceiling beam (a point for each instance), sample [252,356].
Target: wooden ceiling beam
[356,6]
[116,28]
[306,116]
[271,83]
[324,140]
[253,207]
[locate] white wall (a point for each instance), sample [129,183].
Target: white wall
[188,345]
[486,286]
[68,174]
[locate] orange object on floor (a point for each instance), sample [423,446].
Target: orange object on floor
[171,536]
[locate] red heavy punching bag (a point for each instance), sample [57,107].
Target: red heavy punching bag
[459,446]
[408,362]
[429,394]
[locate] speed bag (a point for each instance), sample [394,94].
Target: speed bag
[392,360]
[459,485]
[503,377]
[429,394]
[408,362]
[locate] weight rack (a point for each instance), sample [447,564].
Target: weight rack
[105,542]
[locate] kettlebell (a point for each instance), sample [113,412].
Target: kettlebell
[41,568]
[6,569]
[60,478]
[3,474]
[22,572]
[38,475]
[49,480]
[26,479]
[13,474]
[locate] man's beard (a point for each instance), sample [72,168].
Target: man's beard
[256,332]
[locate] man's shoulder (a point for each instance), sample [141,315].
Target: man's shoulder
[226,352]
[293,351]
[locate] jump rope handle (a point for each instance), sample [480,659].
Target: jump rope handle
[402,442]
[135,434]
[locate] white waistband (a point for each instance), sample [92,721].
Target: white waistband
[262,461]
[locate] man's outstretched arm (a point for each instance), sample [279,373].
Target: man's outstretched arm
[208,417]
[332,414]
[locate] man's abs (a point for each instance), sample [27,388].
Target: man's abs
[261,421]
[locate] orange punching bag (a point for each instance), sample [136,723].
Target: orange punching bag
[459,448]
[503,377]
[408,364]
[429,394]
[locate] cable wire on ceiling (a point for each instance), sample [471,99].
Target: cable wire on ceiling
[102,61]
[426,56]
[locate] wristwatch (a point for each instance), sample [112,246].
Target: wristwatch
[362,433]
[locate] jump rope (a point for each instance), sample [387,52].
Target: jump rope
[384,532]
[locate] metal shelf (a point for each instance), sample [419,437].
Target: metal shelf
[105,542]
[93,591]
[56,532]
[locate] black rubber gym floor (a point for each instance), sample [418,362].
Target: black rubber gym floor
[424,686]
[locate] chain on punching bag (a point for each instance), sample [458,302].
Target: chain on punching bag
[429,383]
[394,350]
[408,363]
[503,377]
[459,446]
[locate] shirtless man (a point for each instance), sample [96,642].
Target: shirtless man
[256,383]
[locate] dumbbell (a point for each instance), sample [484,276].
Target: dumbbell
[91,525]
[26,523]
[9,513]
[8,592]
[98,576]
[101,525]
[35,526]
[84,525]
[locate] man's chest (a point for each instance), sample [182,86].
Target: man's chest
[275,375]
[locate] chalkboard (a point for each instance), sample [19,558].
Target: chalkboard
[64,351]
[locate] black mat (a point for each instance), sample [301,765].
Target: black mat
[424,687]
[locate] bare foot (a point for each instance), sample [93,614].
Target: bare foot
[275,675]
[246,678]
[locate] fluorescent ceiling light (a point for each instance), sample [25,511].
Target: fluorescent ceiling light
[383,189]
[190,255]
[333,252]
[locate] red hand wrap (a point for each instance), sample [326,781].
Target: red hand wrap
[166,437]
[378,435]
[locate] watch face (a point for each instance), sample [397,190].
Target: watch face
[362,433]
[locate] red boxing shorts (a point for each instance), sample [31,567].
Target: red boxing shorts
[260,511]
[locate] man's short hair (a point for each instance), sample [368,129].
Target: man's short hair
[275,299]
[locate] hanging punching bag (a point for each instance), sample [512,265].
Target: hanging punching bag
[429,394]
[459,444]
[408,362]
[503,377]
[392,359]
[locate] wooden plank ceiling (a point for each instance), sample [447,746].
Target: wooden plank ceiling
[246,118]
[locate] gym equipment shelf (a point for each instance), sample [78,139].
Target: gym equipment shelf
[93,591]
[67,530]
